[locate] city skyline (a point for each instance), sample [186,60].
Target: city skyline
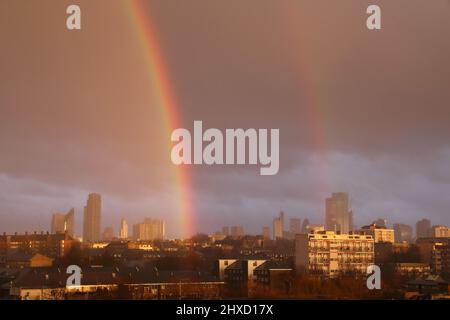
[92,227]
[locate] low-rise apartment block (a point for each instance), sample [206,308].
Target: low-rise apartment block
[330,254]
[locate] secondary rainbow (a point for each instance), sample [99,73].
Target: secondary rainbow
[161,85]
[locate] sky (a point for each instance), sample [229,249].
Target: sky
[365,112]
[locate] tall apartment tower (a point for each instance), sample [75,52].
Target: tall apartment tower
[92,218]
[123,233]
[278,226]
[266,233]
[295,226]
[63,222]
[57,223]
[305,226]
[423,228]
[337,215]
[150,229]
[69,222]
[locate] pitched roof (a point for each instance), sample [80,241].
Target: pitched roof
[57,277]
[271,265]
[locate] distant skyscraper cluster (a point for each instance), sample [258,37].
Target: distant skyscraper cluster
[149,229]
[338,218]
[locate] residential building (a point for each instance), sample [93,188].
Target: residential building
[63,222]
[436,253]
[150,229]
[440,232]
[379,234]
[22,259]
[92,218]
[338,217]
[412,270]
[274,275]
[330,254]
[124,283]
[239,274]
[123,233]
[52,245]
[278,226]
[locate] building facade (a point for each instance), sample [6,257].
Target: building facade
[330,254]
[266,233]
[92,218]
[123,233]
[278,226]
[51,245]
[436,253]
[423,228]
[379,234]
[338,217]
[63,222]
[440,232]
[295,225]
[150,229]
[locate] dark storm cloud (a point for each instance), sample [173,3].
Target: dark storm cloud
[358,111]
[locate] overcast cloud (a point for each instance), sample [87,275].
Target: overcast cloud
[358,111]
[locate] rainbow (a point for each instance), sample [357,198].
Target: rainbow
[160,82]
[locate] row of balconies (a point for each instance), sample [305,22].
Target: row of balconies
[341,261]
[344,249]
